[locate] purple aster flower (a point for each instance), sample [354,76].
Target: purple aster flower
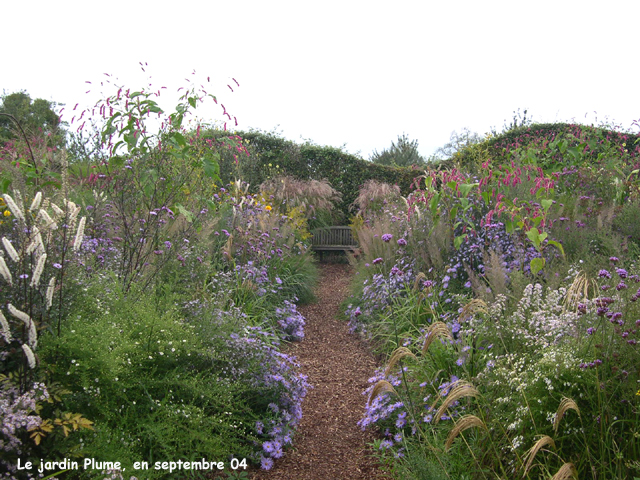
[387,237]
[377,261]
[622,273]
[386,444]
[590,331]
[266,463]
[402,242]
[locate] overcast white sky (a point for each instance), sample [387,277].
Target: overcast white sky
[354,73]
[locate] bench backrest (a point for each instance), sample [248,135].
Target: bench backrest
[333,236]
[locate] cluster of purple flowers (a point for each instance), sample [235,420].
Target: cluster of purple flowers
[18,416]
[274,375]
[290,321]
[378,293]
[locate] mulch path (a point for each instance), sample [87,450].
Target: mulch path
[329,444]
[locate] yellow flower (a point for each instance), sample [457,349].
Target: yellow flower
[638,393]
[7,213]
[268,208]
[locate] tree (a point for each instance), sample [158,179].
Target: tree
[457,142]
[36,118]
[401,154]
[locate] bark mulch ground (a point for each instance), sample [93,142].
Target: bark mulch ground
[329,444]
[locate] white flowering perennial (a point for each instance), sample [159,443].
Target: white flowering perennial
[37,272]
[36,202]
[19,314]
[13,207]
[49,223]
[6,330]
[35,241]
[4,271]
[79,234]
[57,210]
[30,324]
[31,358]
[50,290]
[10,250]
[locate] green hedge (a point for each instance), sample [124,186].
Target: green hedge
[271,155]
[497,147]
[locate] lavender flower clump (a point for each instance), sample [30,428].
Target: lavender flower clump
[290,321]
[18,416]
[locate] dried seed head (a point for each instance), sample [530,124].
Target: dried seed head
[463,424]
[380,387]
[397,355]
[566,472]
[565,404]
[459,389]
[436,329]
[542,442]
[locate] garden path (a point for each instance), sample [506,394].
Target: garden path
[329,445]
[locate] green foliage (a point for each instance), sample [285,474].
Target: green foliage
[34,116]
[155,387]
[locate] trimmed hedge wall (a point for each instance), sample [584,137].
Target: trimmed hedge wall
[271,155]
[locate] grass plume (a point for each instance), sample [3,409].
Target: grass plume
[466,422]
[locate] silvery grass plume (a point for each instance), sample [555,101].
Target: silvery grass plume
[6,330]
[33,335]
[13,207]
[79,234]
[10,250]
[37,272]
[36,202]
[31,358]
[4,271]
[50,290]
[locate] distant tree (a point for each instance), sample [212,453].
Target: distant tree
[36,117]
[457,142]
[404,153]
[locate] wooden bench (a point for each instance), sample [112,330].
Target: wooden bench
[332,239]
